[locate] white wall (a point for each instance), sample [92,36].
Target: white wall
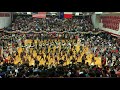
[95,20]
[5,21]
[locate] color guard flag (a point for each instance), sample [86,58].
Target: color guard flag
[40,15]
[68,14]
[61,15]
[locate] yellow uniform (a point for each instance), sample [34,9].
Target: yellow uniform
[34,54]
[32,62]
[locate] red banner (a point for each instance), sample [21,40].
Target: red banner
[68,15]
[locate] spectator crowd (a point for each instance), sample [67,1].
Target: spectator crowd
[51,24]
[34,56]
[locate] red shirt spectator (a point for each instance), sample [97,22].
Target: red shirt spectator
[76,37]
[116,51]
[6,60]
[13,45]
[103,60]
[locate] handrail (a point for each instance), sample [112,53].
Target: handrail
[27,32]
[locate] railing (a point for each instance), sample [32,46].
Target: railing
[45,32]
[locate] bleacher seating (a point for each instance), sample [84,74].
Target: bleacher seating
[110,22]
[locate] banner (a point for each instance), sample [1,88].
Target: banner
[77,14]
[29,13]
[61,15]
[68,14]
[39,15]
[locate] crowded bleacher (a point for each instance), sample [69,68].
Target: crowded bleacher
[51,24]
[53,47]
